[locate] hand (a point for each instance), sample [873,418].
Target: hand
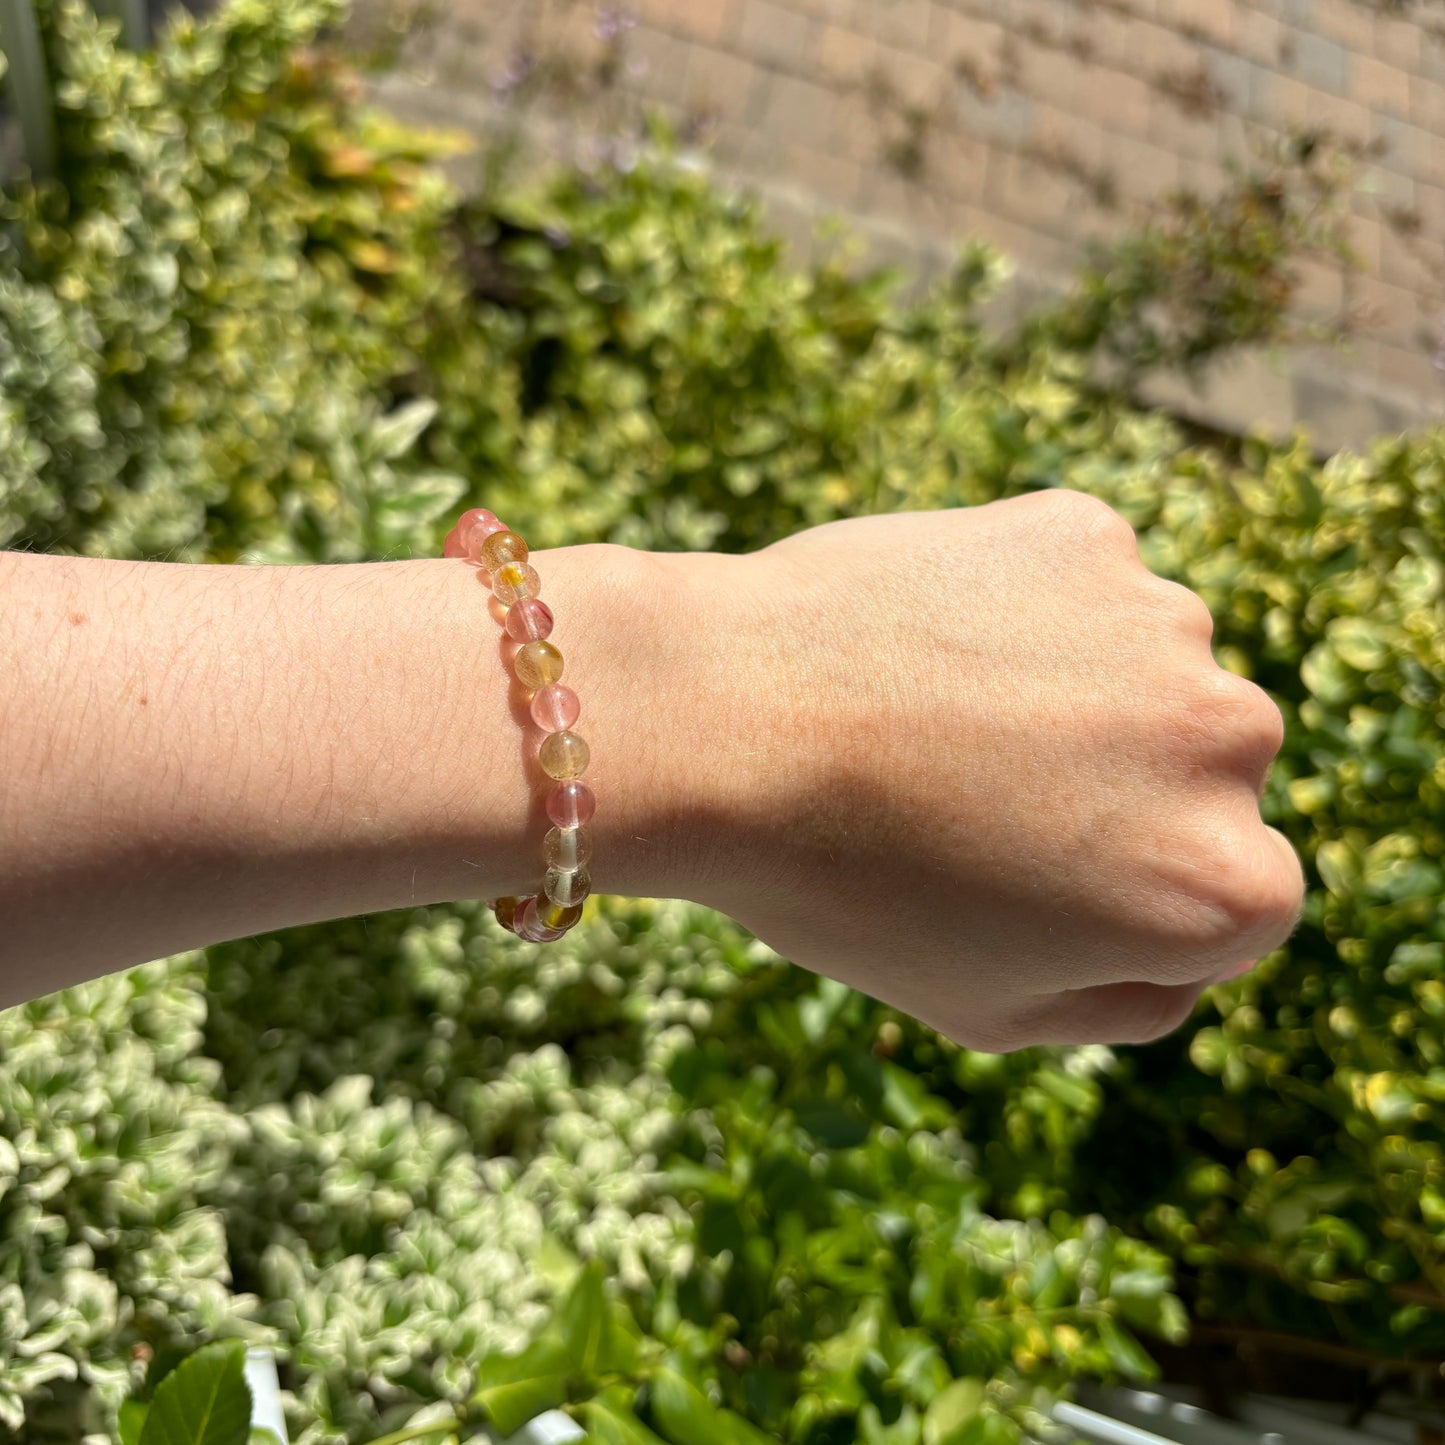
[982,765]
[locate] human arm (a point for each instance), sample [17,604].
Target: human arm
[196,753]
[979,763]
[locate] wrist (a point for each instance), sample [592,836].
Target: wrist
[649,644]
[693,760]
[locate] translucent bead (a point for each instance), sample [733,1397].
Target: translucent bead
[571,804]
[567,886]
[501,548]
[555,708]
[473,529]
[564,755]
[530,926]
[569,848]
[506,911]
[453,546]
[513,581]
[557,915]
[536,664]
[529,620]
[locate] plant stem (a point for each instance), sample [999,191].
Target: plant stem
[417,1432]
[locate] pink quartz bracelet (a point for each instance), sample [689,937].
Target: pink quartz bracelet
[567,848]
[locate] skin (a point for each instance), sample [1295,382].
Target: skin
[978,763]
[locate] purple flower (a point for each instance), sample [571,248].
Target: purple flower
[508,82]
[611,21]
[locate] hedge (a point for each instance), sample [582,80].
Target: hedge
[248,321]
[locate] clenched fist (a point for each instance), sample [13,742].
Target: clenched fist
[982,765]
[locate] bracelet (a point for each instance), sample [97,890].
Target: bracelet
[481,538]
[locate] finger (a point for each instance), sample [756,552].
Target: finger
[1218,723]
[1109,1013]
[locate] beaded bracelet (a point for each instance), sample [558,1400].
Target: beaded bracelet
[567,848]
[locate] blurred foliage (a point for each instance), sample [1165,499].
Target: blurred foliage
[196,311]
[1207,273]
[248,321]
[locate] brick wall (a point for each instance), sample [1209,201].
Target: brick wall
[1033,124]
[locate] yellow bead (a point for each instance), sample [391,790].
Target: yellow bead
[514,580]
[506,911]
[501,548]
[569,848]
[556,915]
[536,664]
[564,755]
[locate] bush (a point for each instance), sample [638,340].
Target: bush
[246,321]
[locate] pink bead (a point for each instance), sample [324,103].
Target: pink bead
[571,803]
[475,527]
[555,707]
[452,547]
[529,619]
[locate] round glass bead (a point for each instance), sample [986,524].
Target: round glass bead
[529,620]
[513,581]
[477,533]
[506,911]
[567,847]
[555,708]
[557,915]
[564,755]
[571,804]
[454,546]
[530,926]
[536,664]
[567,886]
[501,548]
[473,529]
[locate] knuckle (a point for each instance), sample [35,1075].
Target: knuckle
[1247,893]
[1091,519]
[1225,712]
[1215,895]
[1184,607]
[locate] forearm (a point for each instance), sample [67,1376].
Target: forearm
[200,753]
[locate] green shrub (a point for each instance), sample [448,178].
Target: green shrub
[246,321]
[200,308]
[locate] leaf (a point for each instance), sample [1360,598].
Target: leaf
[590,1337]
[1138,1283]
[598,1336]
[396,433]
[584,1320]
[204,1401]
[690,1418]
[515,1388]
[951,1411]
[420,498]
[1125,1351]
[611,1420]
[130,1421]
[833,1125]
[1358,642]
[555,1264]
